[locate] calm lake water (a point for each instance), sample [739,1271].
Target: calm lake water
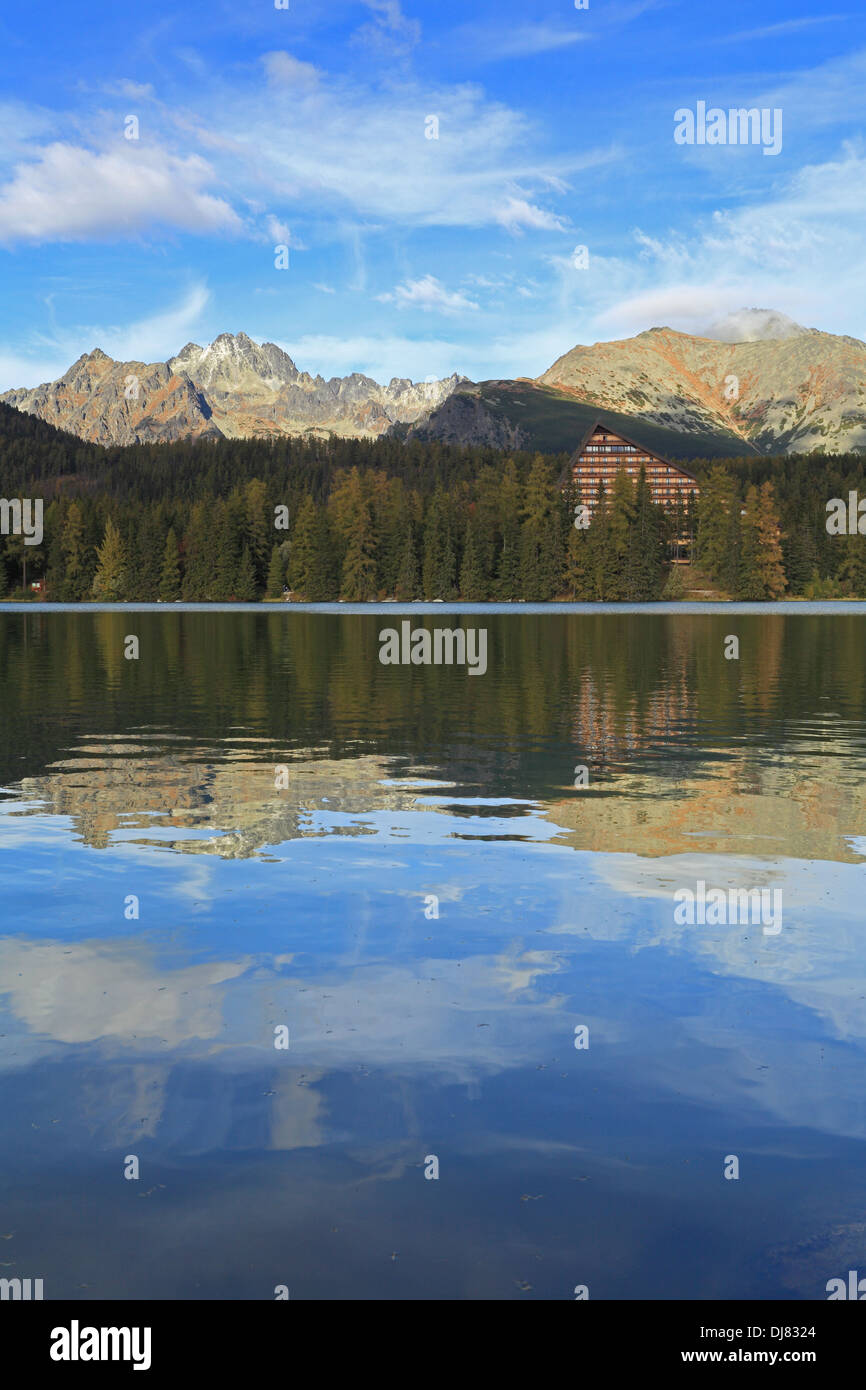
[287,816]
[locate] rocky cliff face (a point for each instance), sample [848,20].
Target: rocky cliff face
[112,402]
[231,388]
[792,393]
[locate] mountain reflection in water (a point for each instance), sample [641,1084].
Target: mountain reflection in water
[431,907]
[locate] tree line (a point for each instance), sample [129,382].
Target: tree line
[507,535]
[328,519]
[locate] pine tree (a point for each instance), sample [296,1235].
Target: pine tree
[245,589]
[228,536]
[508,533]
[302,556]
[540,548]
[577,577]
[647,566]
[472,586]
[276,574]
[717,503]
[761,573]
[200,553]
[407,576]
[437,577]
[358,579]
[169,581]
[605,579]
[620,527]
[798,558]
[109,583]
[76,579]
[258,526]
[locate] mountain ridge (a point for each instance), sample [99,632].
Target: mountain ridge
[232,388]
[756,382]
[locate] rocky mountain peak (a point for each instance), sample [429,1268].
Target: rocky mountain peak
[232,386]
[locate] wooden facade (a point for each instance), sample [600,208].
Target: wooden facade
[604,451]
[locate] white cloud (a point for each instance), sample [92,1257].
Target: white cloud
[285,70]
[517,213]
[390,31]
[428,294]
[278,231]
[799,251]
[70,194]
[137,91]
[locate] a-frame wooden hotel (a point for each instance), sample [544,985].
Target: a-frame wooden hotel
[603,452]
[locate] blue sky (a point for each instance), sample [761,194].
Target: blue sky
[412,256]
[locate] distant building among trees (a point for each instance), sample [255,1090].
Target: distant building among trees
[604,452]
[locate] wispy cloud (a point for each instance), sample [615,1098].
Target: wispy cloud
[516,214]
[390,32]
[149,339]
[785,26]
[428,294]
[529,39]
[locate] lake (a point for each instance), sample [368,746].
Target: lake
[353,980]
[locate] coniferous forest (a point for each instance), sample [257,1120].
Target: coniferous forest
[321,520]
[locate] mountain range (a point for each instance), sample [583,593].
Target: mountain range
[233,388]
[757,383]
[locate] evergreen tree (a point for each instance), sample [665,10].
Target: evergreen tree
[761,575]
[245,590]
[358,580]
[577,578]
[169,581]
[276,574]
[144,547]
[438,572]
[407,576]
[258,528]
[200,555]
[472,584]
[229,526]
[109,583]
[730,558]
[605,579]
[647,561]
[717,533]
[540,548]
[508,546]
[303,555]
[619,544]
[76,579]
[798,558]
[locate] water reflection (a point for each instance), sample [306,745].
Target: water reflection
[431,908]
